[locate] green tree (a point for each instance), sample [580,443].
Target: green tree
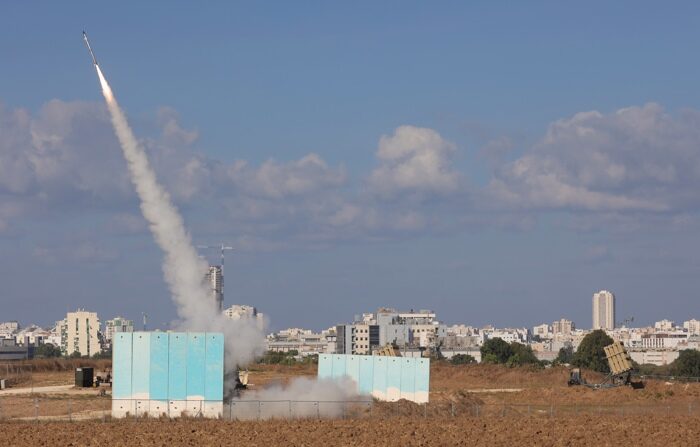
[496,350]
[590,353]
[566,355]
[47,350]
[522,355]
[462,359]
[75,355]
[687,364]
[106,354]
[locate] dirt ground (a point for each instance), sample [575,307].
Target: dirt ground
[549,387]
[469,405]
[404,431]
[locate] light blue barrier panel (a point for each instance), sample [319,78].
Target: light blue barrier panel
[379,372]
[408,378]
[366,378]
[141,366]
[352,370]
[177,366]
[422,384]
[393,379]
[214,374]
[339,369]
[386,378]
[325,366]
[157,373]
[196,358]
[159,366]
[121,365]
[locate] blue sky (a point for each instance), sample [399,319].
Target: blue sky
[496,162]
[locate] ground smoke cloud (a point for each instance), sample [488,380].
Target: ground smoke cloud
[183,269]
[301,398]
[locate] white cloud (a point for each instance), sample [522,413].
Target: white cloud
[275,180]
[414,159]
[638,158]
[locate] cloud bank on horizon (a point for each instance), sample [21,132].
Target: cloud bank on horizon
[640,159]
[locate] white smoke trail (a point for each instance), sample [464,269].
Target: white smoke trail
[183,269]
[184,273]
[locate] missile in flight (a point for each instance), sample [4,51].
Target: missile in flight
[94,61]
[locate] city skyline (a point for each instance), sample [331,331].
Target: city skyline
[500,165]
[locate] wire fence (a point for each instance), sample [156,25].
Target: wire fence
[103,408]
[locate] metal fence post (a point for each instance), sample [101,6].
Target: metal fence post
[318,411]
[290,409]
[528,409]
[36,410]
[690,409]
[259,408]
[452,409]
[70,411]
[230,410]
[425,410]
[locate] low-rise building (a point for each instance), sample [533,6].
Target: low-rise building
[542,331]
[563,326]
[32,335]
[664,325]
[692,326]
[240,311]
[114,326]
[8,329]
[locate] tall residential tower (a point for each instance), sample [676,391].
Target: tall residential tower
[603,310]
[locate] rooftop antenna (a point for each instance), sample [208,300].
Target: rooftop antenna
[145,317]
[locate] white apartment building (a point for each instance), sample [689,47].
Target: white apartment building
[519,335]
[118,324]
[542,331]
[665,340]
[654,357]
[8,329]
[692,326]
[603,310]
[32,335]
[563,326]
[664,325]
[80,333]
[304,341]
[240,311]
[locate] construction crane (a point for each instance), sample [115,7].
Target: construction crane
[222,247]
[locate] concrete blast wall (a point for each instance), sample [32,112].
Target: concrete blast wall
[386,378]
[171,373]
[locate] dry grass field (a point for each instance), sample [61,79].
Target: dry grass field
[518,406]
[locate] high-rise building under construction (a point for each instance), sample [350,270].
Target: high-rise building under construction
[215,280]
